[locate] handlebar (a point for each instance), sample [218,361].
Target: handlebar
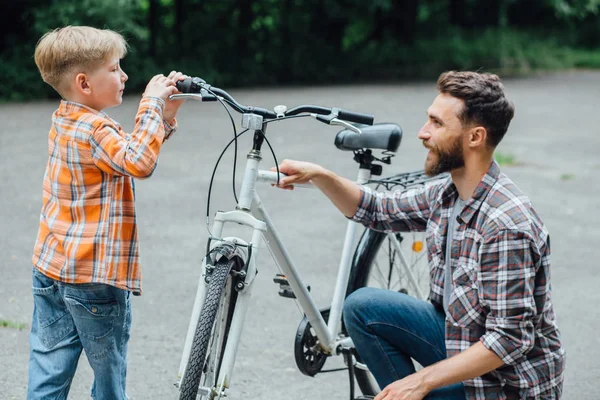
[323,114]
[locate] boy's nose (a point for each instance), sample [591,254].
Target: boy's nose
[125,77]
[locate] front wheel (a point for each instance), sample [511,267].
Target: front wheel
[394,262]
[211,334]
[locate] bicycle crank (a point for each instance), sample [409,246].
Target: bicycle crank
[307,352]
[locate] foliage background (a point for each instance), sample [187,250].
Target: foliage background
[274,42]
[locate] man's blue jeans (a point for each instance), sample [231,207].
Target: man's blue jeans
[68,319]
[390,328]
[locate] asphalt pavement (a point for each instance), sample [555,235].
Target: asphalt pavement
[550,151]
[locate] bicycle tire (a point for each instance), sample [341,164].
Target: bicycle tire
[211,333]
[371,248]
[375,249]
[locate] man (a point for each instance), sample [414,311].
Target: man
[489,330]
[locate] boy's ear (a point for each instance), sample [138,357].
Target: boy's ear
[82,83]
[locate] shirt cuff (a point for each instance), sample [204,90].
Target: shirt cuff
[502,347]
[169,128]
[161,103]
[366,197]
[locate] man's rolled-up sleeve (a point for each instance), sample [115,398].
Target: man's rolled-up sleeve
[401,210]
[506,287]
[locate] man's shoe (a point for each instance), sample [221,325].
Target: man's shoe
[365,397]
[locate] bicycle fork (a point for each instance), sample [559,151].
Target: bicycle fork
[239,314]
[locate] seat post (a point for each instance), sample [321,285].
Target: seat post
[364,175]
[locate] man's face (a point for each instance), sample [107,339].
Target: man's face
[442,135]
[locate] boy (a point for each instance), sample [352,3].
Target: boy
[86,260]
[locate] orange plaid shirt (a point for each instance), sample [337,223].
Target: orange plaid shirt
[88,230]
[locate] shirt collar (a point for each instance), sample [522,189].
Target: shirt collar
[450,193]
[67,108]
[70,107]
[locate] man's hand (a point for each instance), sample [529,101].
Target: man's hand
[172,106]
[297,172]
[475,361]
[410,388]
[343,193]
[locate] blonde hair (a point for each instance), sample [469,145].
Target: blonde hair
[63,52]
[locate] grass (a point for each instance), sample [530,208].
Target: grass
[4,323]
[506,159]
[567,177]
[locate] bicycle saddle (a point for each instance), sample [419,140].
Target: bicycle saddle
[384,136]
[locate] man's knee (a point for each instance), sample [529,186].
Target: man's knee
[357,303]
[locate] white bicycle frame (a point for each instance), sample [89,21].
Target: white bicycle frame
[252,213]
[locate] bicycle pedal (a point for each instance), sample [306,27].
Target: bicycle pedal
[285,290]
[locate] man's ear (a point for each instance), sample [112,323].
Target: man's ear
[82,84]
[477,136]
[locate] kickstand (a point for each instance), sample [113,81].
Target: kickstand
[348,357]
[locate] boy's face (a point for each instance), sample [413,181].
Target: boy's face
[107,84]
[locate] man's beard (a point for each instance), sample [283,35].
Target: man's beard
[447,159]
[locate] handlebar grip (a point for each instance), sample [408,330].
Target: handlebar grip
[359,118]
[190,85]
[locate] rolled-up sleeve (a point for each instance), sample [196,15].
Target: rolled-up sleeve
[170,129]
[135,154]
[402,210]
[506,287]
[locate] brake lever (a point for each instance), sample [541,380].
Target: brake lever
[332,120]
[204,95]
[184,96]
[348,125]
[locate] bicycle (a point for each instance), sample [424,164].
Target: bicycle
[229,267]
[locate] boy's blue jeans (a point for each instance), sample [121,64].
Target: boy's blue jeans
[390,328]
[68,319]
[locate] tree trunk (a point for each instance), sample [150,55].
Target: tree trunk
[400,21]
[153,27]
[179,7]
[458,13]
[487,13]
[242,31]
[406,25]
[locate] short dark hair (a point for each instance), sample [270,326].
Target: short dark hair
[485,102]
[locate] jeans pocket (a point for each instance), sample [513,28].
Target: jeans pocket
[51,315]
[95,319]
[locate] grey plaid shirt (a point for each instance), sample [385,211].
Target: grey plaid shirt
[500,261]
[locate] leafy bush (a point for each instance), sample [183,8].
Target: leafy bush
[272,42]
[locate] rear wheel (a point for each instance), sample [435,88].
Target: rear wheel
[211,334]
[396,263]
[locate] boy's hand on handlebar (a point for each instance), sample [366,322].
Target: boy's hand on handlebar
[172,106]
[160,86]
[297,172]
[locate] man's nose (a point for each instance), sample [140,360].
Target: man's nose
[424,133]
